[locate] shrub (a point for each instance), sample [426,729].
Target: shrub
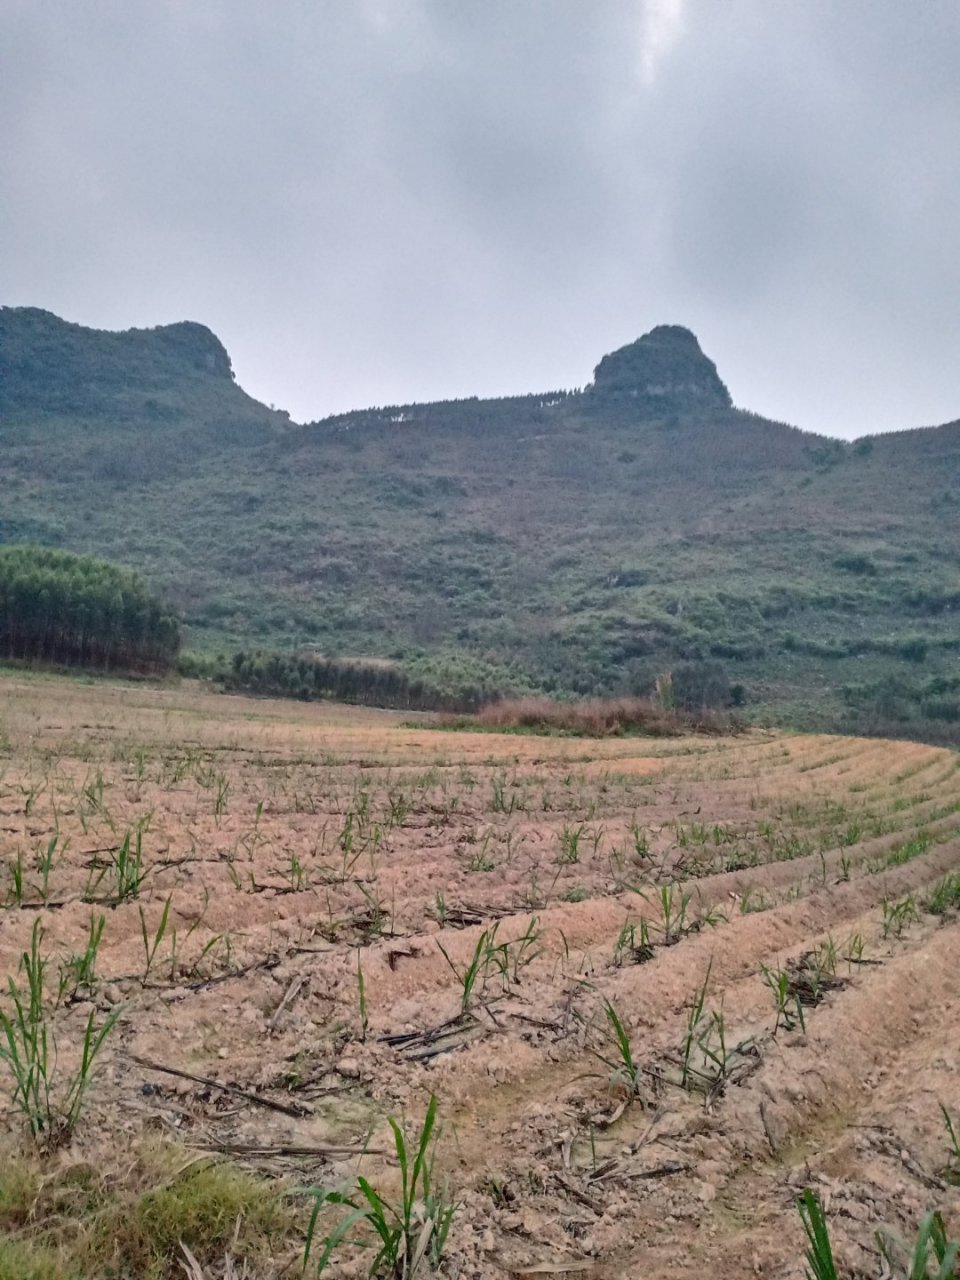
[700,684]
[308,678]
[601,717]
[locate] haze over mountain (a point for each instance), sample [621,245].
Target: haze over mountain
[579,542]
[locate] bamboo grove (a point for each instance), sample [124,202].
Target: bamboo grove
[64,608]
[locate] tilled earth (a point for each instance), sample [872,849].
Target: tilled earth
[317,917]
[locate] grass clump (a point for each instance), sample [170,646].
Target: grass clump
[201,1208]
[897,915]
[946,896]
[20,1260]
[76,1223]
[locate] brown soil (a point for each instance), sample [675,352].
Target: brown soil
[295,843]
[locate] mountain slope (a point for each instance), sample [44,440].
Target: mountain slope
[581,542]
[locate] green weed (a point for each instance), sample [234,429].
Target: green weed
[694,1020]
[503,960]
[930,1257]
[151,943]
[853,952]
[633,940]
[28,1050]
[296,874]
[945,896]
[789,1007]
[673,913]
[222,796]
[126,865]
[78,972]
[16,878]
[952,1172]
[569,851]
[910,849]
[820,1263]
[475,969]
[897,915]
[621,1061]
[362,1001]
[45,862]
[410,1234]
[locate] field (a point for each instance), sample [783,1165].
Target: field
[657,988]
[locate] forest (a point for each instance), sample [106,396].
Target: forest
[59,607]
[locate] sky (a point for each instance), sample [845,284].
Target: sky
[380,201]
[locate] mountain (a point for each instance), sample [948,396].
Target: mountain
[575,542]
[115,406]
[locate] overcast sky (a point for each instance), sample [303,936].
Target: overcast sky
[378,201]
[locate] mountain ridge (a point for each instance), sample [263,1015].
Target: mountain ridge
[206,353]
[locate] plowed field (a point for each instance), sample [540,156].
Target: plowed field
[325,910]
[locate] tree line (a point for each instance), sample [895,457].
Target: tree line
[312,678]
[56,606]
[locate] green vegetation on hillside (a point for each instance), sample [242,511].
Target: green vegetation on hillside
[59,607]
[567,543]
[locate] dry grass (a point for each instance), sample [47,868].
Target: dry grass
[602,717]
[70,1220]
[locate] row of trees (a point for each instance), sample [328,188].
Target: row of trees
[312,678]
[59,607]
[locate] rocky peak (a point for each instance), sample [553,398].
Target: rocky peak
[196,346]
[665,371]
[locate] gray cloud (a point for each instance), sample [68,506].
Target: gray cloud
[396,199]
